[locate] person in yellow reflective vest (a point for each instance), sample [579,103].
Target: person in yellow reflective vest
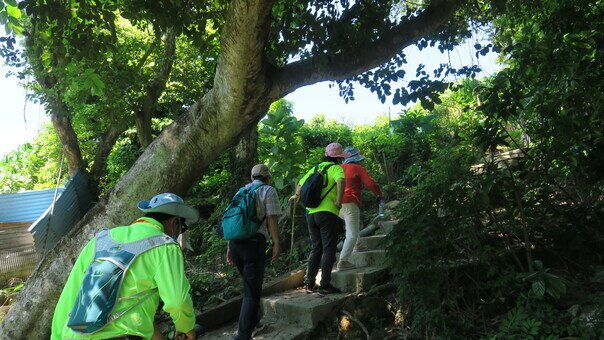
[157,273]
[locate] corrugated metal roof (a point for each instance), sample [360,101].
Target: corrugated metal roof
[26,206]
[69,208]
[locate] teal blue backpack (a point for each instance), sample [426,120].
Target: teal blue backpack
[239,220]
[98,295]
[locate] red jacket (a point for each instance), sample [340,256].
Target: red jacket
[356,179]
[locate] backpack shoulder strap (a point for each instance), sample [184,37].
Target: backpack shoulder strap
[103,241]
[325,168]
[123,254]
[257,185]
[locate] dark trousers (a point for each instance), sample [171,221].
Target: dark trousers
[250,260]
[323,228]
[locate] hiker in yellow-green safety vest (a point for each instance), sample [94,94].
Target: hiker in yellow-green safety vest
[324,223]
[157,273]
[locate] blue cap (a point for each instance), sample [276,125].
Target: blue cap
[354,157]
[170,204]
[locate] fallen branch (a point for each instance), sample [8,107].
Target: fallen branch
[352,318]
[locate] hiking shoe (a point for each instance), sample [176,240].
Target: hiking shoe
[329,289]
[344,265]
[310,288]
[361,247]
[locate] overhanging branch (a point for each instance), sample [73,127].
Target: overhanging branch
[346,64]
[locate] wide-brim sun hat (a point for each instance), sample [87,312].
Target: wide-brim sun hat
[355,155]
[170,204]
[335,150]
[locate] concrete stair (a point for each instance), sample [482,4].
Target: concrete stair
[366,258]
[299,308]
[386,227]
[374,242]
[369,264]
[293,314]
[358,279]
[288,315]
[272,330]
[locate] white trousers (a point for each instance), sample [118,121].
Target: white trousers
[351,214]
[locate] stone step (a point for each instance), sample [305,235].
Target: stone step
[366,258]
[358,279]
[297,308]
[374,242]
[385,227]
[272,330]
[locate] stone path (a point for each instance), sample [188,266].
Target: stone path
[294,313]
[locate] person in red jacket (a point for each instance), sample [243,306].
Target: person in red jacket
[357,178]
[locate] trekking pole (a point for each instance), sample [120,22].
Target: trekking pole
[291,249]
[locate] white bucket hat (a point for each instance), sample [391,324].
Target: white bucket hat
[170,204]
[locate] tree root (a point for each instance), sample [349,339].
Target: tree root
[352,318]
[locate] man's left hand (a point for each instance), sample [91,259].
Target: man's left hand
[275,252]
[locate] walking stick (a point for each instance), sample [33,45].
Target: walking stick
[291,249]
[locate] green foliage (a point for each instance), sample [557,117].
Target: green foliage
[33,165]
[279,145]
[471,235]
[212,278]
[7,294]
[319,132]
[11,18]
[543,282]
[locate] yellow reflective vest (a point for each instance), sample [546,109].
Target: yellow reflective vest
[161,267]
[334,173]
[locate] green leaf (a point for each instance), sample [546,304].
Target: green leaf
[13,11]
[539,288]
[46,58]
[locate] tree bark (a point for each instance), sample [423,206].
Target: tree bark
[244,86]
[103,149]
[366,55]
[245,156]
[154,90]
[173,162]
[69,140]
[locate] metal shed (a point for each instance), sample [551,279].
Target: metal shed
[18,211]
[23,241]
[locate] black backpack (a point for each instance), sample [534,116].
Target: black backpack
[310,193]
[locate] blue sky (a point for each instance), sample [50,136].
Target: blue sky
[21,121]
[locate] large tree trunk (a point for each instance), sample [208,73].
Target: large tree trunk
[173,162]
[69,140]
[244,86]
[245,156]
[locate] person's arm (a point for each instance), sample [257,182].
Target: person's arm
[228,255]
[174,289]
[369,183]
[296,196]
[340,186]
[273,229]
[272,208]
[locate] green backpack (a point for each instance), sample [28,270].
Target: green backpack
[239,220]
